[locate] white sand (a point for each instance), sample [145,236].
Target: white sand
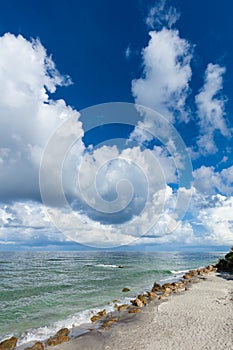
[198,319]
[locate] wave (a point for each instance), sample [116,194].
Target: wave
[72,322]
[179,271]
[108,265]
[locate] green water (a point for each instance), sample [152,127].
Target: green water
[44,291]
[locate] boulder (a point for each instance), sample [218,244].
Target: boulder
[163,296]
[137,302]
[142,298]
[108,323]
[175,285]
[122,307]
[152,295]
[166,285]
[125,290]
[56,341]
[8,344]
[99,315]
[182,284]
[63,332]
[226,264]
[37,346]
[187,276]
[102,313]
[157,287]
[95,318]
[60,337]
[134,311]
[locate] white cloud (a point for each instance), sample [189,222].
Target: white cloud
[27,115]
[162,15]
[128,52]
[211,109]
[28,118]
[207,180]
[26,222]
[217,221]
[164,85]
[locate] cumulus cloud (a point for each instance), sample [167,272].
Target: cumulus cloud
[26,222]
[116,195]
[164,85]
[209,181]
[132,183]
[211,109]
[27,115]
[216,220]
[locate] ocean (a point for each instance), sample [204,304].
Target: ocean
[41,292]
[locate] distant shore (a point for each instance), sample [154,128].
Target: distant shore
[198,319]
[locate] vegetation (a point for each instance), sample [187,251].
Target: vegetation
[227,263]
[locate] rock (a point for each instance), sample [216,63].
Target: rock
[137,302]
[174,284]
[166,285]
[152,295]
[95,318]
[108,323]
[99,315]
[60,337]
[53,341]
[156,288]
[163,296]
[102,313]
[226,264]
[187,276]
[191,272]
[63,332]
[8,344]
[182,284]
[142,298]
[37,346]
[122,307]
[125,290]
[134,311]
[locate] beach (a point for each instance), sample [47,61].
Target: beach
[42,292]
[199,318]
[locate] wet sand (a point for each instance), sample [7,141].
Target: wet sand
[198,319]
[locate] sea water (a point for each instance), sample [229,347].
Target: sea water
[41,292]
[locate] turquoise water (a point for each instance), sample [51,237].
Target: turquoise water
[44,291]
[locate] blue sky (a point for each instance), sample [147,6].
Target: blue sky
[58,58]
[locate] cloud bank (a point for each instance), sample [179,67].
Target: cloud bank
[29,115]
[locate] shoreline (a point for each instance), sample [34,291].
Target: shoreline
[140,272]
[105,322]
[85,327]
[198,319]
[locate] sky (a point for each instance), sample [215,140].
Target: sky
[116,124]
